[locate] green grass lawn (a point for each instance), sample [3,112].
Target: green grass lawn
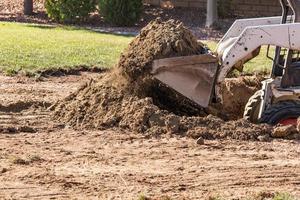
[31,47]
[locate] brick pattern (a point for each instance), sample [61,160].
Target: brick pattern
[249,8]
[256,7]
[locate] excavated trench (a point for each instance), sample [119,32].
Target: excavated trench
[129,98]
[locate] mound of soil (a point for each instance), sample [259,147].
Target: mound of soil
[104,103]
[129,98]
[235,95]
[157,40]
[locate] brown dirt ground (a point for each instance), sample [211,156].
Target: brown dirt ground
[57,162]
[104,103]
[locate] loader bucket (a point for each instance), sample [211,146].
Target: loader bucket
[192,76]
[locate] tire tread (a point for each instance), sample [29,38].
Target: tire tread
[251,106]
[291,106]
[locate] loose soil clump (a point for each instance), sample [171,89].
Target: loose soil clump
[157,40]
[129,98]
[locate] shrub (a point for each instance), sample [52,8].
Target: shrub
[69,10]
[121,12]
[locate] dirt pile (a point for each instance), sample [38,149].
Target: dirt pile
[287,131]
[235,94]
[157,40]
[129,98]
[101,104]
[214,128]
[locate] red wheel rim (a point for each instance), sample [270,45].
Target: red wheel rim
[289,121]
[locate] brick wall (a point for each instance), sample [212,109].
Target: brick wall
[249,8]
[257,7]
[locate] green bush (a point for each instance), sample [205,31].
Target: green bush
[121,12]
[70,10]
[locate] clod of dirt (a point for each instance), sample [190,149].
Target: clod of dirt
[8,129]
[283,131]
[26,129]
[157,40]
[295,136]
[3,170]
[19,161]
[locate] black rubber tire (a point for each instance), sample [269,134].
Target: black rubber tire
[251,111]
[280,111]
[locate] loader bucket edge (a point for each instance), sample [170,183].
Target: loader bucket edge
[192,76]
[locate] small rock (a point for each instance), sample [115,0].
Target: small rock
[156,119]
[264,138]
[200,141]
[172,123]
[68,153]
[283,131]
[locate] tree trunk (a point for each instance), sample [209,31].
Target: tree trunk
[28,7]
[212,13]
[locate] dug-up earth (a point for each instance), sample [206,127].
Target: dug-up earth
[43,159]
[131,99]
[121,134]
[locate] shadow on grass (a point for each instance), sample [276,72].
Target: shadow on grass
[78,28]
[54,72]
[41,26]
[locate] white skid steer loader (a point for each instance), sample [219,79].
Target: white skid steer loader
[199,77]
